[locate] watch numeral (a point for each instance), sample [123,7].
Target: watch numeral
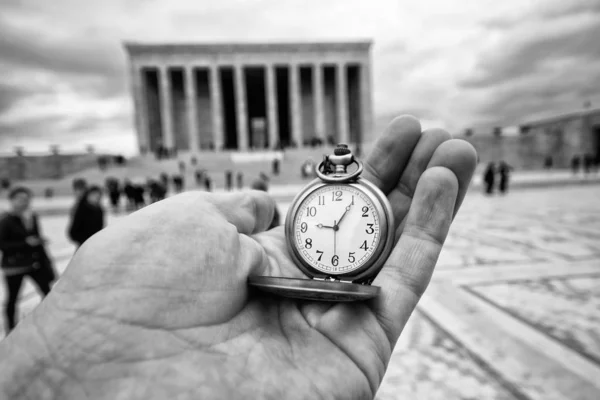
[365,211]
[303,227]
[335,261]
[370,229]
[351,257]
[320,255]
[364,246]
[352,199]
[336,196]
[311,211]
[308,243]
[321,200]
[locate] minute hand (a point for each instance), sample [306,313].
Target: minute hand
[344,214]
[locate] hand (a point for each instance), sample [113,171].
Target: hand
[33,241]
[157,304]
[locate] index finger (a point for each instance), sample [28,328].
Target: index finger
[407,272]
[387,160]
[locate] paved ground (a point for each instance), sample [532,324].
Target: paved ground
[512,312]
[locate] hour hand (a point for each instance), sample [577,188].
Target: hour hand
[321,226]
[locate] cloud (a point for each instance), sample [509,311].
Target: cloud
[538,66]
[453,63]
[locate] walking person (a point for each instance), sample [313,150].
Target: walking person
[489,178]
[207,183]
[23,252]
[138,196]
[575,162]
[129,191]
[114,192]
[504,171]
[80,187]
[89,218]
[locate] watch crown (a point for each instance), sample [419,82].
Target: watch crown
[341,150]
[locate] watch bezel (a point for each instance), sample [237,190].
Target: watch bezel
[367,272]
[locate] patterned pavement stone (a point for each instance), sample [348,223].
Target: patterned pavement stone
[567,309]
[429,364]
[525,228]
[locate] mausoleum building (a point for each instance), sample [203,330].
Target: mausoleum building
[242,96]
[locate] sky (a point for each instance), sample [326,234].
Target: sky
[455,64]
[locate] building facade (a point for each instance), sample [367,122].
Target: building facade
[234,96]
[554,141]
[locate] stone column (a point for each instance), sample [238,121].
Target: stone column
[342,103]
[216,107]
[191,108]
[166,108]
[295,104]
[240,109]
[318,101]
[366,101]
[140,107]
[271,91]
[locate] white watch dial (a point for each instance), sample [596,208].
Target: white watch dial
[337,229]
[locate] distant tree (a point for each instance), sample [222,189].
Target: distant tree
[469,132]
[497,131]
[19,150]
[55,149]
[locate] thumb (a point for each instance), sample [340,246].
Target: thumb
[249,211]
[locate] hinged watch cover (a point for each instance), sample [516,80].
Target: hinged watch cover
[313,289]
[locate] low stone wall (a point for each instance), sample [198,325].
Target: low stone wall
[49,166]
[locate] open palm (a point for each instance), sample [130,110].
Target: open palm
[157,305]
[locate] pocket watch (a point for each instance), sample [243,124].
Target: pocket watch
[339,231]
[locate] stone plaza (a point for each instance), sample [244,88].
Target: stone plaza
[512,311]
[241,96]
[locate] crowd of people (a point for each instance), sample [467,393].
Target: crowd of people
[586,162]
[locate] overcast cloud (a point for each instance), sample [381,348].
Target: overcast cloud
[453,63]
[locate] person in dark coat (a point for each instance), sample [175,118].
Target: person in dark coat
[88,218]
[157,191]
[229,180]
[489,177]
[114,192]
[79,190]
[178,183]
[504,171]
[23,252]
[129,191]
[138,196]
[575,161]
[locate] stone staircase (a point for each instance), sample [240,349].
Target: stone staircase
[141,168]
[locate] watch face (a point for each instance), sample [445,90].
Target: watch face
[337,229]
